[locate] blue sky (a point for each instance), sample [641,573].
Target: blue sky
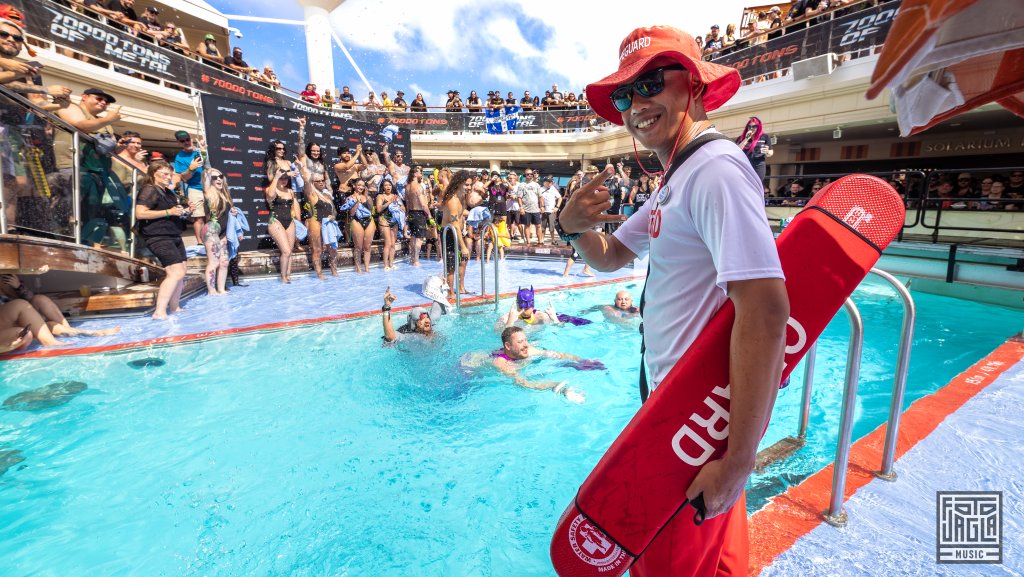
[430,46]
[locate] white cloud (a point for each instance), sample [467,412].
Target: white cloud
[542,41]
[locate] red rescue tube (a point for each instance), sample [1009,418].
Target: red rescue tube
[640,482]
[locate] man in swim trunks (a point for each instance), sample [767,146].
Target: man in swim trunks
[709,241]
[417,205]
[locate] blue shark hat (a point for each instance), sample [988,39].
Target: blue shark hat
[525,298]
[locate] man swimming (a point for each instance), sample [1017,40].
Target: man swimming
[516,352]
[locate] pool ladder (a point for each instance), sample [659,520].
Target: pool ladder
[835,515]
[483,271]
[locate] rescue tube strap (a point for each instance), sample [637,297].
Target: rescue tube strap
[688,151]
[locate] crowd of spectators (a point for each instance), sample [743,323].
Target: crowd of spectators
[553,99]
[991,191]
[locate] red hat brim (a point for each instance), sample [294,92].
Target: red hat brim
[722,83]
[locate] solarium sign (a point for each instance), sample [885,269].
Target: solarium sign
[81,31]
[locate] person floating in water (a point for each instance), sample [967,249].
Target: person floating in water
[623,311]
[516,352]
[523,312]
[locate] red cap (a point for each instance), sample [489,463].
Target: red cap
[11,15]
[644,45]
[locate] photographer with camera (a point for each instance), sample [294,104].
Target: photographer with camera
[189,164]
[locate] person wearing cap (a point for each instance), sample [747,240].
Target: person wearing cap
[189,164]
[152,25]
[400,105]
[105,205]
[23,77]
[419,323]
[712,41]
[208,48]
[709,241]
[237,63]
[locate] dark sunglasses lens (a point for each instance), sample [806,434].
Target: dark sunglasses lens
[651,84]
[622,98]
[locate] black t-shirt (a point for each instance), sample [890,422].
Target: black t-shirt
[156,198]
[473,103]
[497,199]
[150,22]
[756,154]
[346,100]
[230,61]
[495,102]
[116,6]
[400,103]
[418,106]
[526,103]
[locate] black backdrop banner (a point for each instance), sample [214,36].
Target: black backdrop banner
[239,133]
[847,33]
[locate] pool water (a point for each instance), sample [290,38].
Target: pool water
[315,451]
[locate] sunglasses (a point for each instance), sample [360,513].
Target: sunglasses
[648,85]
[184,140]
[5,35]
[216,176]
[278,148]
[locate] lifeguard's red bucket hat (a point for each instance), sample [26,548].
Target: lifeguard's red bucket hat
[644,45]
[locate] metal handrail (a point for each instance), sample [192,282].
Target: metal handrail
[444,261]
[835,515]
[892,428]
[805,405]
[497,287]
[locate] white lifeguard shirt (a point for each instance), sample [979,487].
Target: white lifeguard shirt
[703,229]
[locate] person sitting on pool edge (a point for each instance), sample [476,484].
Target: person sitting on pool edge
[420,323]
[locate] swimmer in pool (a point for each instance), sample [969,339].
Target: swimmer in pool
[420,322]
[516,351]
[622,312]
[523,312]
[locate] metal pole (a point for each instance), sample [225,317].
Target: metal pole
[805,407]
[835,515]
[444,261]
[76,185]
[135,196]
[497,286]
[3,209]
[892,428]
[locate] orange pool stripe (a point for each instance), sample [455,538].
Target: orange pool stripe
[793,514]
[178,339]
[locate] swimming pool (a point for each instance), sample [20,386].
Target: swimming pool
[314,451]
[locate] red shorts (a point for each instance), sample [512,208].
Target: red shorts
[719,547]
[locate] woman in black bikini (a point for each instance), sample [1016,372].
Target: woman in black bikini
[362,227]
[388,228]
[318,204]
[284,208]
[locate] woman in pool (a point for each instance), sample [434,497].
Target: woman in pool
[388,225]
[215,231]
[360,210]
[160,225]
[284,210]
